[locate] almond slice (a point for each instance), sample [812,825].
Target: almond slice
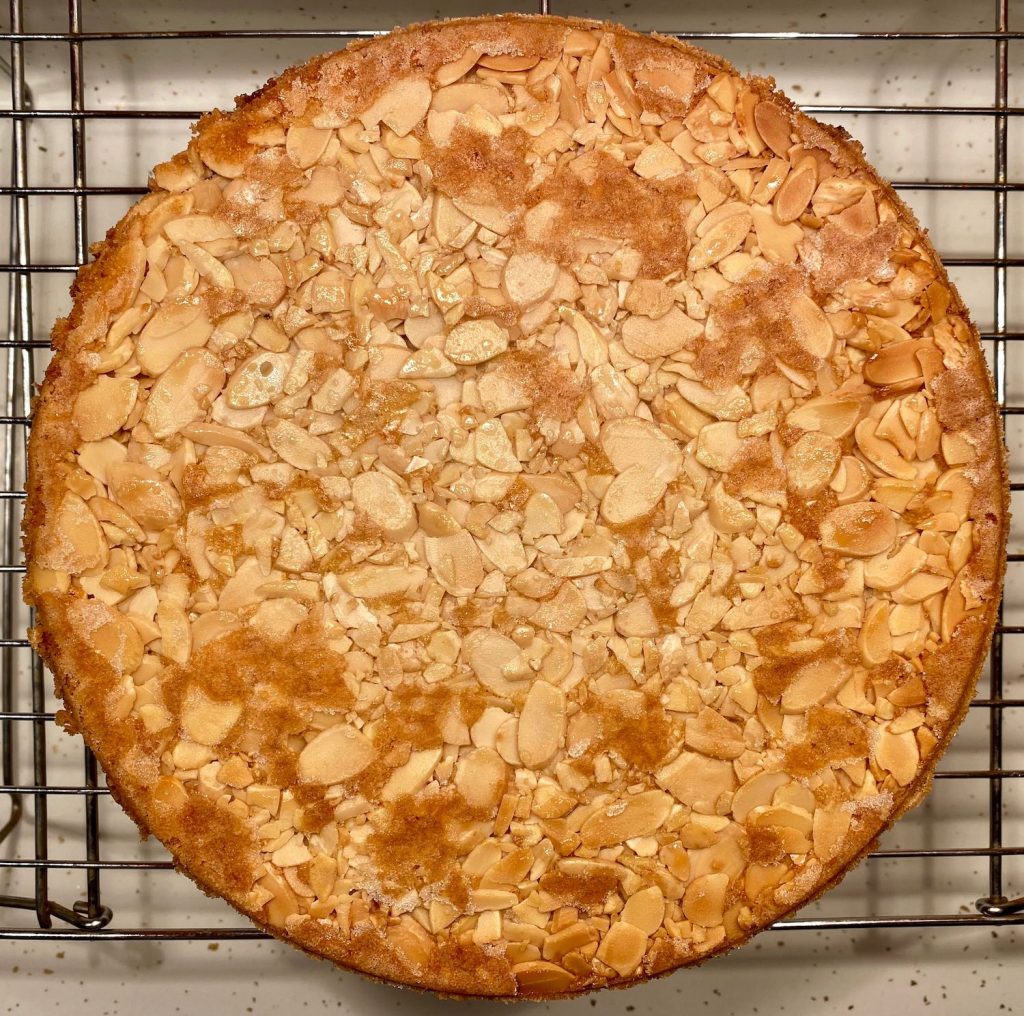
[649,338]
[335,754]
[103,408]
[541,724]
[631,496]
[861,529]
[629,817]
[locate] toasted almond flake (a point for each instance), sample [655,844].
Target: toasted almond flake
[102,409]
[630,442]
[622,948]
[183,392]
[528,278]
[720,241]
[796,190]
[475,342]
[813,684]
[811,462]
[298,447]
[372,581]
[861,529]
[704,901]
[631,496]
[335,754]
[638,815]
[384,504]
[648,338]
[401,106]
[697,781]
[541,724]
[169,332]
[206,720]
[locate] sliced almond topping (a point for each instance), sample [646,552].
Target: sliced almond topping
[796,190]
[898,754]
[298,447]
[632,442]
[622,948]
[774,126]
[811,463]
[861,529]
[757,792]
[77,542]
[169,332]
[305,145]
[697,781]
[875,640]
[649,338]
[139,490]
[811,327]
[409,778]
[720,241]
[373,581]
[480,777]
[258,381]
[528,278]
[538,977]
[712,734]
[183,393]
[888,573]
[475,342]
[830,415]
[455,562]
[206,720]
[704,901]
[881,453]
[102,408]
[384,504]
[627,818]
[645,910]
[541,724]
[731,403]
[814,683]
[631,496]
[335,754]
[895,365]
[401,106]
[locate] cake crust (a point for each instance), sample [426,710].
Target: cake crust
[813,738]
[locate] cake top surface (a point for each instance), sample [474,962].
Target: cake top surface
[518,508]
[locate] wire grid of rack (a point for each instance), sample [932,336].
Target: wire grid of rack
[23,701]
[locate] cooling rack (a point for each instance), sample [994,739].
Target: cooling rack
[34,849]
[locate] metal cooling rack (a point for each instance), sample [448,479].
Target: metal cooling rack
[27,728]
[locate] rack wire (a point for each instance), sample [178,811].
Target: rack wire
[23,774]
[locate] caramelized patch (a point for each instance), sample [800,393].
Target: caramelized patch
[641,741]
[279,685]
[481,168]
[382,406]
[753,320]
[755,471]
[597,197]
[833,735]
[588,891]
[199,486]
[516,497]
[764,845]
[551,385]
[807,514]
[415,847]
[835,256]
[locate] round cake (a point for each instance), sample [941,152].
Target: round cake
[517,508]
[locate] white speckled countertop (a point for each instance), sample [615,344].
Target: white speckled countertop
[938,970]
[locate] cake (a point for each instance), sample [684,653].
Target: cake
[517,508]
